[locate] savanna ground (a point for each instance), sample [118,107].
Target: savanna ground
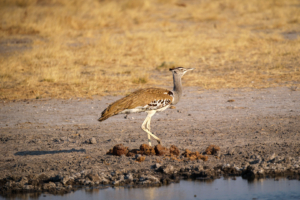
[62,62]
[47,145]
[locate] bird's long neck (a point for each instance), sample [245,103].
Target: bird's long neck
[177,88]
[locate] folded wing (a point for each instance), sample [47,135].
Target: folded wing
[139,101]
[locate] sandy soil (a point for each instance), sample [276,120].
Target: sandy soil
[48,139]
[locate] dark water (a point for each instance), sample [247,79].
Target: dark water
[238,189]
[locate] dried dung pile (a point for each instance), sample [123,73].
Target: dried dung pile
[145,149]
[173,152]
[212,150]
[194,155]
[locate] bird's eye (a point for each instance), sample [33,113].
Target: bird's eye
[175,72]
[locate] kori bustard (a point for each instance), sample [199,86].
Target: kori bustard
[150,100]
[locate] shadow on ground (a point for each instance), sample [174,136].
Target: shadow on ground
[36,153]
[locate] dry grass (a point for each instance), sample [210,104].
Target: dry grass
[101,47]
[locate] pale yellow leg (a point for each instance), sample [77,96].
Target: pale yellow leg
[149,140]
[147,130]
[148,125]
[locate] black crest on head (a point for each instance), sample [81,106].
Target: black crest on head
[171,69]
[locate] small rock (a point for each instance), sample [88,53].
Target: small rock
[137,155]
[81,181]
[28,187]
[92,140]
[58,184]
[168,169]
[153,179]
[116,183]
[156,166]
[257,159]
[287,159]
[88,182]
[261,171]
[43,177]
[9,183]
[141,179]
[93,177]
[272,156]
[129,177]
[114,173]
[65,179]
[23,181]
[231,152]
[104,181]
[49,185]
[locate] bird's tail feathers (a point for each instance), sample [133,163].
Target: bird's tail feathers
[115,108]
[105,114]
[108,112]
[102,118]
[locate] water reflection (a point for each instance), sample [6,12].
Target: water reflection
[223,188]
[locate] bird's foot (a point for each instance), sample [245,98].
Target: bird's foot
[149,141]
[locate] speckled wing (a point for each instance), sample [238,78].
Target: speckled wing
[144,99]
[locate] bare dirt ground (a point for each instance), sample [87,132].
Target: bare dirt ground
[45,143]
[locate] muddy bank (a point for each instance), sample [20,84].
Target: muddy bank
[166,170]
[56,145]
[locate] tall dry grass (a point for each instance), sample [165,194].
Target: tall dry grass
[100,47]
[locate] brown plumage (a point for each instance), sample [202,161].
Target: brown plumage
[150,100]
[140,98]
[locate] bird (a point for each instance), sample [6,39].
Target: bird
[149,100]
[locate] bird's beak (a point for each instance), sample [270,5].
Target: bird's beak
[188,69]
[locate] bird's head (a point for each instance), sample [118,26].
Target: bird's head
[180,71]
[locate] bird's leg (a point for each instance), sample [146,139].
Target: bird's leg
[149,140]
[147,130]
[148,125]
[149,133]
[144,129]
